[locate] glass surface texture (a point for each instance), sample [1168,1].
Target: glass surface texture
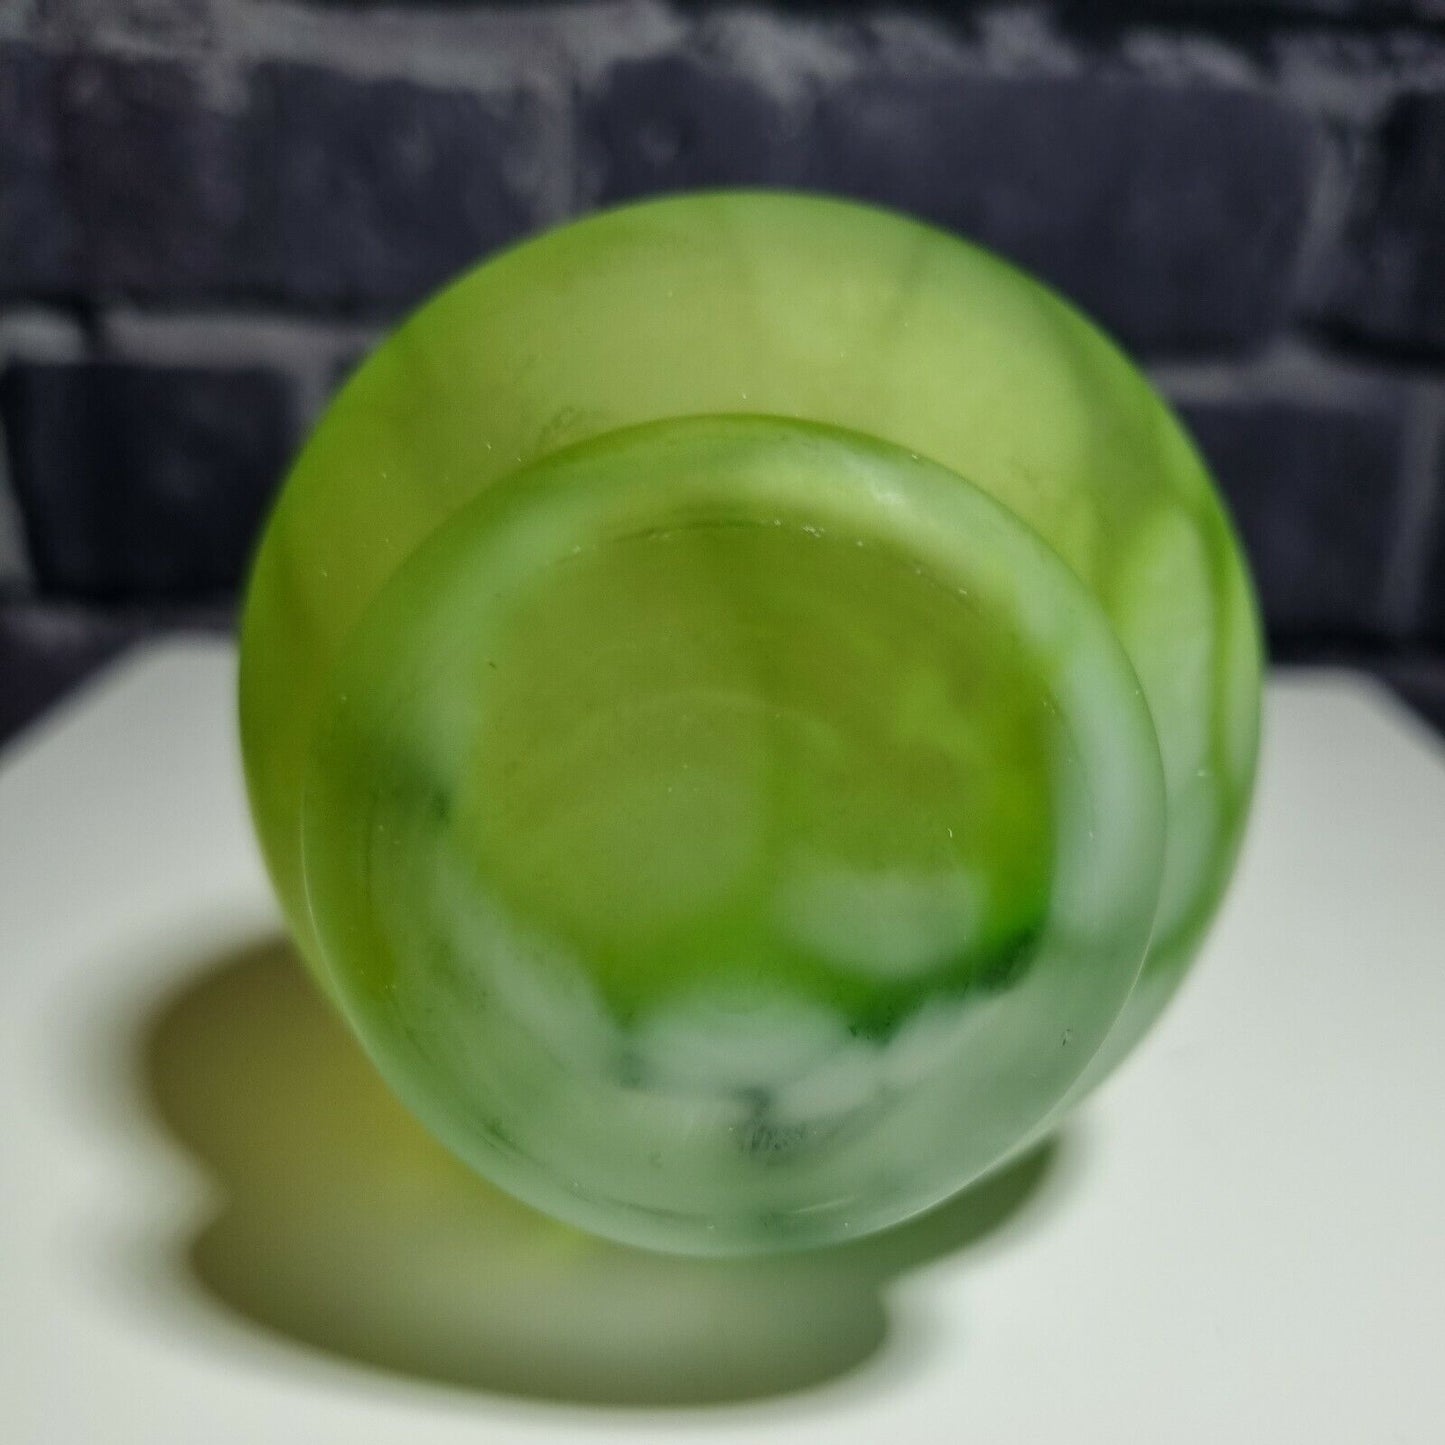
[749,703]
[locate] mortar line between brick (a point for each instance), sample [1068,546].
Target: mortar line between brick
[476,49]
[16,574]
[1417,514]
[138,328]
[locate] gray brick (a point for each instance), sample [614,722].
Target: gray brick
[1173,214]
[116,178]
[92,22]
[39,243]
[143,482]
[378,191]
[155,177]
[1316,493]
[676,123]
[1389,284]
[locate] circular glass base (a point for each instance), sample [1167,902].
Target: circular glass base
[711,817]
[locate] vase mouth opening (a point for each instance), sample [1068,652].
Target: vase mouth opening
[711,750]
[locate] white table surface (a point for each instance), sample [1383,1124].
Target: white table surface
[214,1226]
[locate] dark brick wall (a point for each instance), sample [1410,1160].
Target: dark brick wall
[210,208]
[142,482]
[1317,491]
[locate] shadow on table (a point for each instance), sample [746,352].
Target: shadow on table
[347,1228]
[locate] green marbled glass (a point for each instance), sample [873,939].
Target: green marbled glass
[749,703]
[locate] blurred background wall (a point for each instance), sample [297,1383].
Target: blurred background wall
[209,209]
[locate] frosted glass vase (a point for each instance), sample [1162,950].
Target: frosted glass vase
[749,703]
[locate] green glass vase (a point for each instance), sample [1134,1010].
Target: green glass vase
[749,703]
